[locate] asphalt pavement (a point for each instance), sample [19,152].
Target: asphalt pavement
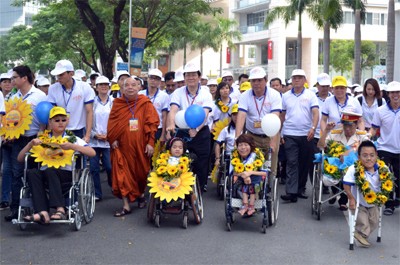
[297,238]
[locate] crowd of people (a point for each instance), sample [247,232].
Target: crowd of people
[118,123]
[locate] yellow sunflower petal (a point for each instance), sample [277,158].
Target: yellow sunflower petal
[17,119]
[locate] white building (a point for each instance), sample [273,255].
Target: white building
[252,50]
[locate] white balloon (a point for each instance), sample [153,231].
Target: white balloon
[270,124]
[180,120]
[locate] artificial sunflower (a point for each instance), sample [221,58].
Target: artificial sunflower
[219,125]
[370,197]
[214,174]
[161,170]
[258,163]
[224,109]
[380,163]
[17,118]
[165,155]
[383,175]
[235,161]
[249,167]
[172,170]
[365,185]
[171,190]
[52,157]
[239,168]
[388,185]
[184,160]
[182,167]
[161,162]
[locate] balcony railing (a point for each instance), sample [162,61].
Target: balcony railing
[252,29]
[246,3]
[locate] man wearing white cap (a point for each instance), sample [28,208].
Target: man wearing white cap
[254,104]
[80,75]
[183,98]
[300,118]
[43,84]
[160,100]
[387,120]
[179,79]
[227,77]
[76,97]
[204,80]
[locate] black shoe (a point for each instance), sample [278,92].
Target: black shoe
[12,215]
[332,201]
[282,181]
[289,197]
[325,190]
[302,195]
[4,205]
[205,188]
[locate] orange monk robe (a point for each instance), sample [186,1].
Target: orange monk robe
[130,164]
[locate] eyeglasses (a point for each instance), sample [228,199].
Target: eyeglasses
[228,79]
[58,120]
[14,77]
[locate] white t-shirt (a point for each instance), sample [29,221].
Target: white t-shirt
[368,112]
[388,121]
[257,108]
[334,111]
[235,94]
[74,101]
[299,118]
[218,114]
[101,112]
[2,106]
[160,102]
[372,178]
[228,138]
[321,103]
[33,97]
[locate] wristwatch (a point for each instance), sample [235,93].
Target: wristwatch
[313,127]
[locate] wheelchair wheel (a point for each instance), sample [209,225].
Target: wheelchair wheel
[185,221]
[316,193]
[76,226]
[197,203]
[87,195]
[273,202]
[150,208]
[157,219]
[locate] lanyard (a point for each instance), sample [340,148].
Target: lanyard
[262,105]
[151,98]
[134,107]
[26,95]
[340,108]
[187,95]
[69,93]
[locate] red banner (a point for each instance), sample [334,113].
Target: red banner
[228,55]
[270,50]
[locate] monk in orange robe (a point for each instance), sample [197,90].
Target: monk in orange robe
[131,130]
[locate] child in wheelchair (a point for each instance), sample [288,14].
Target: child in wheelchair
[54,178]
[247,173]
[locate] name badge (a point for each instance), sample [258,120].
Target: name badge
[257,124]
[133,125]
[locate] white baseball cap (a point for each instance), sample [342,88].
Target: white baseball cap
[179,77]
[358,89]
[43,82]
[298,72]
[122,72]
[155,72]
[102,80]
[204,77]
[191,67]
[62,66]
[324,79]
[257,73]
[348,91]
[383,87]
[393,87]
[80,73]
[5,76]
[212,82]
[227,73]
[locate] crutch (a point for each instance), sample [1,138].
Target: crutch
[352,222]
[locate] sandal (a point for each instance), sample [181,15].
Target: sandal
[343,207]
[243,209]
[141,202]
[122,212]
[58,216]
[388,211]
[251,210]
[42,219]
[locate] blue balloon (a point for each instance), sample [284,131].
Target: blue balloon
[194,116]
[43,111]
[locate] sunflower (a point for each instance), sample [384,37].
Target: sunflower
[382,198]
[365,185]
[161,170]
[383,175]
[17,118]
[235,161]
[161,162]
[239,168]
[333,169]
[182,167]
[164,156]
[172,170]
[370,197]
[381,163]
[184,160]
[249,167]
[224,109]
[219,125]
[52,157]
[328,168]
[258,163]
[220,103]
[388,185]
[171,190]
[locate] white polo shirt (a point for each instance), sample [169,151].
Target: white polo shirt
[228,138]
[218,114]
[333,110]
[388,121]
[368,112]
[321,103]
[182,98]
[33,97]
[372,178]
[235,94]
[257,108]
[299,118]
[2,106]
[101,112]
[160,102]
[74,101]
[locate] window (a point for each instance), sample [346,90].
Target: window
[348,17]
[255,18]
[368,18]
[251,53]
[291,47]
[383,21]
[375,19]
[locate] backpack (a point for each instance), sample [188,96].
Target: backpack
[380,101]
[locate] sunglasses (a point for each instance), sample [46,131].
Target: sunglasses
[58,120]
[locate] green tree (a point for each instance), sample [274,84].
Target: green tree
[341,58]
[288,13]
[226,32]
[391,34]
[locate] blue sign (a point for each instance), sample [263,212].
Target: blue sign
[122,66]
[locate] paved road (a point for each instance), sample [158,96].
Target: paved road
[297,238]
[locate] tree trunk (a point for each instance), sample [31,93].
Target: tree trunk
[201,60]
[357,46]
[299,44]
[220,61]
[327,47]
[184,53]
[391,31]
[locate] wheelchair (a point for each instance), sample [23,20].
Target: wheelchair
[80,198]
[192,202]
[318,181]
[266,203]
[223,169]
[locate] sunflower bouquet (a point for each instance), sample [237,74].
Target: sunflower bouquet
[332,165]
[386,179]
[239,166]
[335,149]
[171,178]
[223,108]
